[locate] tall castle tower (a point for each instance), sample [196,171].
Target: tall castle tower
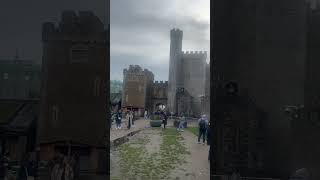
[73,103]
[175,68]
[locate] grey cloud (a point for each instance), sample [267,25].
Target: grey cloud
[21,23]
[144,34]
[159,70]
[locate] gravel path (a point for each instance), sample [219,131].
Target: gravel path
[161,154]
[197,166]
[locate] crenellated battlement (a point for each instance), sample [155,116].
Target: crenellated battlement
[137,70]
[177,33]
[160,84]
[74,25]
[194,54]
[176,30]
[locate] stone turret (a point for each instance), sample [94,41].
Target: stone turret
[75,54]
[175,63]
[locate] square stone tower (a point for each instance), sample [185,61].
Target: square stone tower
[73,104]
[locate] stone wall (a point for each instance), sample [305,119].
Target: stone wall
[74,80]
[194,66]
[159,94]
[137,84]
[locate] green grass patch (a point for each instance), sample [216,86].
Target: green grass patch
[193,130]
[137,163]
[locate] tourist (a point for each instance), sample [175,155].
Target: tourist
[132,112]
[55,173]
[209,140]
[130,119]
[165,119]
[118,120]
[111,120]
[182,122]
[68,170]
[202,128]
[145,114]
[76,165]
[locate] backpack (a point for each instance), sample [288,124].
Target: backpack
[202,124]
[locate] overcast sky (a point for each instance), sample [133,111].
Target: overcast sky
[140,32]
[21,22]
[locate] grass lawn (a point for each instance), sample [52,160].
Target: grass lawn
[193,130]
[137,163]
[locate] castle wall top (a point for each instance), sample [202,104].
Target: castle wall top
[194,54]
[160,83]
[136,69]
[175,32]
[85,22]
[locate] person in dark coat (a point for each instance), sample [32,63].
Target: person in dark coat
[209,140]
[165,120]
[118,119]
[203,124]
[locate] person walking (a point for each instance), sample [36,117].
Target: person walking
[118,120]
[76,165]
[145,114]
[202,128]
[165,119]
[111,120]
[68,171]
[56,171]
[129,118]
[209,140]
[132,112]
[182,122]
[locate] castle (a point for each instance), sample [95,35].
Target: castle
[73,99]
[182,93]
[186,71]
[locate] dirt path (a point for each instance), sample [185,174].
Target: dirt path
[161,154]
[117,133]
[197,166]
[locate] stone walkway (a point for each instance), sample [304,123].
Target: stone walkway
[198,165]
[195,166]
[139,125]
[124,131]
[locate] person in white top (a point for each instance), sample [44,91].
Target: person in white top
[145,114]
